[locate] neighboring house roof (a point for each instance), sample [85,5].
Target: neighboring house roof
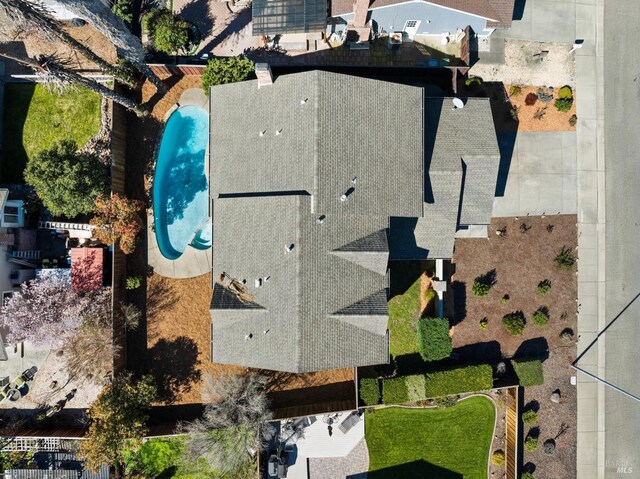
[58,465]
[87,272]
[321,305]
[499,13]
[277,17]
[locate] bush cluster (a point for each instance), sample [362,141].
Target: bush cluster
[514,323]
[529,372]
[133,282]
[565,259]
[480,289]
[440,383]
[370,391]
[220,71]
[540,318]
[529,416]
[169,32]
[544,287]
[394,391]
[434,342]
[531,443]
[497,458]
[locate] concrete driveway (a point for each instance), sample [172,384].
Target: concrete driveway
[537,174]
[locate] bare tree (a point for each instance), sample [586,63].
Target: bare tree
[20,11]
[102,18]
[52,71]
[234,425]
[90,351]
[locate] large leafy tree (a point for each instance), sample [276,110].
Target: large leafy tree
[234,424]
[48,311]
[117,219]
[118,421]
[169,32]
[67,181]
[226,70]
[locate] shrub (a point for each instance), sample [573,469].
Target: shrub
[416,387]
[514,323]
[226,70]
[131,315]
[513,113]
[434,342]
[154,457]
[540,318]
[497,458]
[529,417]
[531,443]
[563,105]
[565,259]
[447,382]
[169,32]
[483,323]
[515,90]
[505,299]
[545,95]
[133,282]
[530,99]
[117,218]
[65,180]
[526,475]
[544,287]
[473,81]
[480,289]
[573,120]
[122,10]
[370,391]
[394,391]
[529,372]
[565,93]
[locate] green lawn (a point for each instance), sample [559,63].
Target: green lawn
[447,443]
[403,314]
[34,118]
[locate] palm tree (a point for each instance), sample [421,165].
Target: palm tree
[21,11]
[52,71]
[128,45]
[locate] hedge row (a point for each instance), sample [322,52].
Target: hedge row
[529,372]
[445,382]
[434,342]
[370,391]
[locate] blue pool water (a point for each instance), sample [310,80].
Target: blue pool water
[180,190]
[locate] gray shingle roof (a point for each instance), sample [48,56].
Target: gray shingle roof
[315,291]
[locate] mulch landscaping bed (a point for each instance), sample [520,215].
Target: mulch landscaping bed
[521,261]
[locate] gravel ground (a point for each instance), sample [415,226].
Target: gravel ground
[520,68]
[521,261]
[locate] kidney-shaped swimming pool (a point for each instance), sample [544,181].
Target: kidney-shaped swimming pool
[180,190]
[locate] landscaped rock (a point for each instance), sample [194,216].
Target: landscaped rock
[555,396]
[549,447]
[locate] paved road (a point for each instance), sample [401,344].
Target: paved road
[622,151]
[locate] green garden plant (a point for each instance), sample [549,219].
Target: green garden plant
[531,443]
[480,289]
[122,10]
[133,282]
[529,372]
[563,104]
[505,299]
[169,32]
[370,391]
[394,391]
[473,82]
[497,458]
[529,417]
[544,287]
[565,93]
[434,342]
[526,475]
[483,323]
[226,70]
[565,259]
[447,382]
[515,90]
[67,182]
[573,120]
[540,318]
[514,323]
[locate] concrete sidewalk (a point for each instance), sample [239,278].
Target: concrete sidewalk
[565,21]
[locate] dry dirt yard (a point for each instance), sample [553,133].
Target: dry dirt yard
[521,261]
[178,353]
[556,69]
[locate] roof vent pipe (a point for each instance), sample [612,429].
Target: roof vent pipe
[321,219]
[278,131]
[263,74]
[263,132]
[288,248]
[302,102]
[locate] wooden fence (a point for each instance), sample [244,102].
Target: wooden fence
[119,264]
[176,70]
[511,432]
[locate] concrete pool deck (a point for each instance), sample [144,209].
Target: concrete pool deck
[193,262]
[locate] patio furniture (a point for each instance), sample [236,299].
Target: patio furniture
[30,373]
[4,382]
[13,395]
[351,420]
